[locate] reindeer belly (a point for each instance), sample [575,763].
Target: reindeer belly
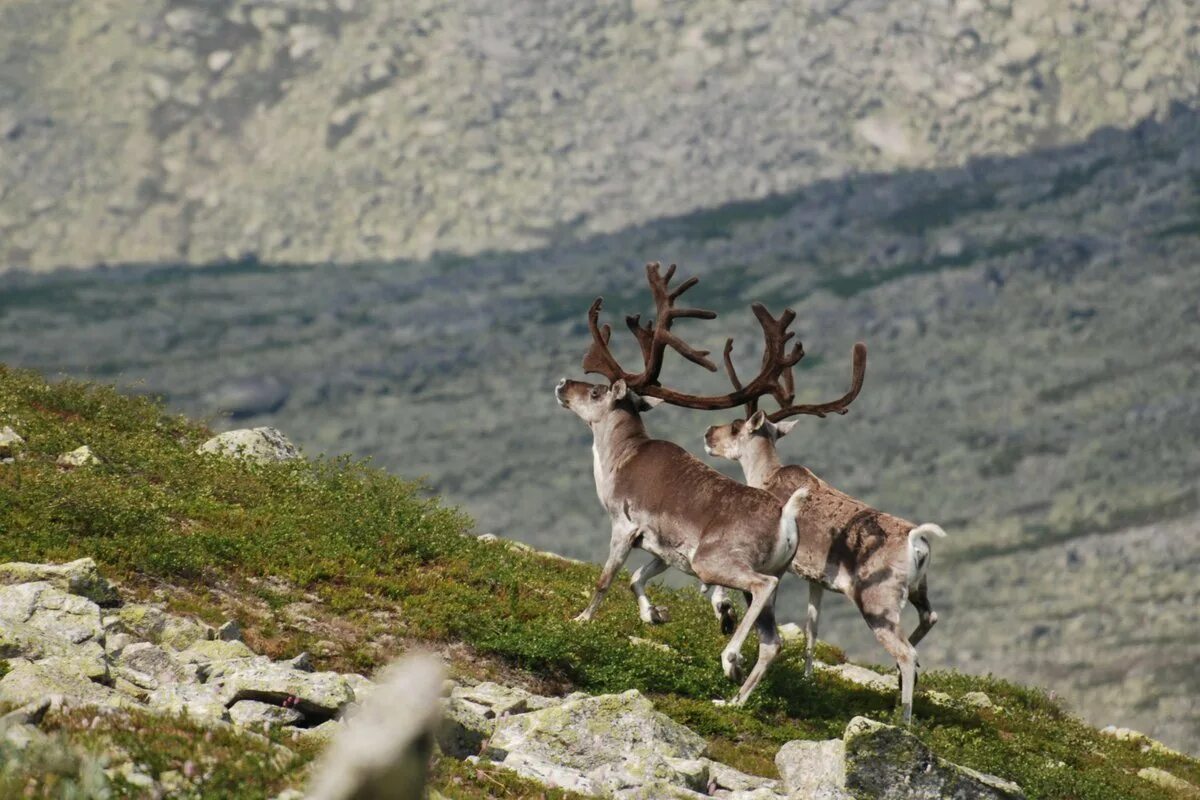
[673,553]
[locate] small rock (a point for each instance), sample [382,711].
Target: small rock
[978,700]
[1160,777]
[791,632]
[302,662]
[499,700]
[263,445]
[255,714]
[79,457]
[218,60]
[362,686]
[231,631]
[861,676]
[10,442]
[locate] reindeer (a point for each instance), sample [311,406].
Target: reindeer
[877,560]
[663,500]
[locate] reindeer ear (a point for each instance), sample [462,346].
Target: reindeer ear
[756,421]
[619,389]
[785,427]
[648,403]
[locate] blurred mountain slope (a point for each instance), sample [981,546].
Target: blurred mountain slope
[315,131]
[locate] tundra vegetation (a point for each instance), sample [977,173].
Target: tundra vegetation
[378,566]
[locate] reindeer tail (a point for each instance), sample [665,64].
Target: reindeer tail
[919,551]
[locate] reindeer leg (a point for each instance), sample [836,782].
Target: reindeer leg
[769,645]
[649,612]
[919,597]
[713,567]
[619,546]
[815,590]
[880,607]
[724,610]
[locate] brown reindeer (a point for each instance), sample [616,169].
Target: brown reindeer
[663,500]
[877,560]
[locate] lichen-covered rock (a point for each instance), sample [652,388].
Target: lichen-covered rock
[230,631]
[1160,777]
[499,700]
[615,741]
[79,577]
[155,625]
[861,676]
[263,445]
[210,651]
[464,727]
[813,769]
[198,701]
[255,714]
[79,457]
[29,682]
[40,622]
[316,694]
[727,780]
[884,762]
[153,661]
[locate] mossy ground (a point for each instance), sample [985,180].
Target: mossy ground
[378,565]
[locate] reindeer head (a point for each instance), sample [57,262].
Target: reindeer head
[735,439]
[592,402]
[747,437]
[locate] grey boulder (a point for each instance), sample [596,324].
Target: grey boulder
[263,445]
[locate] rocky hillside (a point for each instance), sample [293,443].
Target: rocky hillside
[316,131]
[1030,384]
[258,591]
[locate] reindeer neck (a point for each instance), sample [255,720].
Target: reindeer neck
[760,461]
[615,437]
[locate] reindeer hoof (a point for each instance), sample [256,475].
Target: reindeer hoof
[728,620]
[659,615]
[732,664]
[582,616]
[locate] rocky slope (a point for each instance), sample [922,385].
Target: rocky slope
[237,557]
[74,649]
[346,130]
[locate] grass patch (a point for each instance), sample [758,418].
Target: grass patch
[368,546]
[196,761]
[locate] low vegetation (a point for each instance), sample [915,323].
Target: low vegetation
[390,567]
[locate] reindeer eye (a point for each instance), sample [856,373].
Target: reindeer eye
[597,391]
[737,426]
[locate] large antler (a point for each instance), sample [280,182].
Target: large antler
[785,391]
[656,336]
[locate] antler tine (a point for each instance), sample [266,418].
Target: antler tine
[776,359]
[599,358]
[656,336]
[752,404]
[839,406]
